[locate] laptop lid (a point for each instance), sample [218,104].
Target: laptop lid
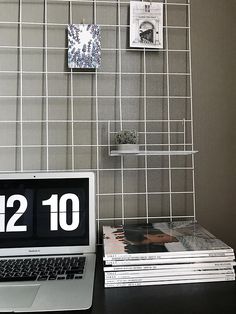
[47,213]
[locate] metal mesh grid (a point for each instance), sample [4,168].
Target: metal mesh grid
[54,118]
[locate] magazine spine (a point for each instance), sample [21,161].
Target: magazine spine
[169,261]
[169,282]
[166,278]
[136,256]
[147,274]
[207,265]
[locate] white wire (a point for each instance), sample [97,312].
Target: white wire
[98,72]
[191,108]
[101,121]
[113,49]
[46,83]
[63,24]
[144,218]
[97,131]
[120,108]
[115,2]
[72,103]
[168,113]
[145,134]
[92,97]
[21,89]
[103,169]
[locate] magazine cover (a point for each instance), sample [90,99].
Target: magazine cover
[84,46]
[180,239]
[146,24]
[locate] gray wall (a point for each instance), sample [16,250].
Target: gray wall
[214,94]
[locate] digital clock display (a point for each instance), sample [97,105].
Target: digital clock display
[44,212]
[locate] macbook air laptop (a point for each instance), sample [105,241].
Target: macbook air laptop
[47,241]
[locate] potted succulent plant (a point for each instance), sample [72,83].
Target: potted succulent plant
[127,140]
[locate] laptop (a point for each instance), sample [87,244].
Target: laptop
[47,241]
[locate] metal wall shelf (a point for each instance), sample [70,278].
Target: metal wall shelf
[153,153]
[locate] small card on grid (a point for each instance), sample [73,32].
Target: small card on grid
[84,46]
[146,24]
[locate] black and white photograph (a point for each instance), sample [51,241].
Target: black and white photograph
[146,24]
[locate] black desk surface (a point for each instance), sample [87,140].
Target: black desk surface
[210,298]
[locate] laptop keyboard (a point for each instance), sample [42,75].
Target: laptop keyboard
[40,269]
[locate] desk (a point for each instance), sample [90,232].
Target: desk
[209,298]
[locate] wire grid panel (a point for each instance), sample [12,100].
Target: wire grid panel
[56,118]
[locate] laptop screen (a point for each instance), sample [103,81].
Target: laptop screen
[44,212]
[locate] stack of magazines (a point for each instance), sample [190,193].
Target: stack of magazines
[164,253]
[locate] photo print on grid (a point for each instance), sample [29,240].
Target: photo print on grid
[146,24]
[84,46]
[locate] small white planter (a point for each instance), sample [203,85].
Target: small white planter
[129,148]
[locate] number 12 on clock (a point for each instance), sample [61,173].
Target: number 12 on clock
[10,226]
